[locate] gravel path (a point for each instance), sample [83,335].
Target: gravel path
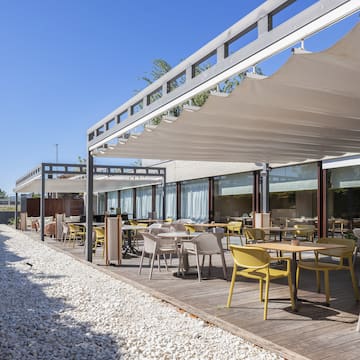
[54,307]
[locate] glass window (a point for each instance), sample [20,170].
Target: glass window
[112,201]
[293,192]
[126,202]
[343,196]
[101,203]
[171,201]
[195,200]
[143,202]
[232,196]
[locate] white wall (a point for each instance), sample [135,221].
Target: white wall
[186,170]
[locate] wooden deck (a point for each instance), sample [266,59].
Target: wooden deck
[314,332]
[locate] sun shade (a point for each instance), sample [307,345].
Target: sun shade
[308,110]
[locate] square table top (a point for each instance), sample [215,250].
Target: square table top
[303,246]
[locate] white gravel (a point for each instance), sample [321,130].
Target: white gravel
[54,307]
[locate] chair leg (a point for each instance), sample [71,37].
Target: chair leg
[318,285]
[233,278]
[158,260]
[223,265]
[353,280]
[152,266]
[261,290]
[166,266]
[297,279]
[327,287]
[141,261]
[210,264]
[266,298]
[198,267]
[291,291]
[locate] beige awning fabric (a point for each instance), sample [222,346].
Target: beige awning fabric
[78,185]
[308,110]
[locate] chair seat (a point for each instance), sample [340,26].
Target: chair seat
[261,273]
[319,266]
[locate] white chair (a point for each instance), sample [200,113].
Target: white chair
[206,244]
[156,246]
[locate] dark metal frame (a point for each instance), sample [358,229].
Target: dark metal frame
[44,170]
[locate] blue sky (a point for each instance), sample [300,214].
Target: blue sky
[65,64]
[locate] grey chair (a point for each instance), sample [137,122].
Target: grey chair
[155,246]
[206,244]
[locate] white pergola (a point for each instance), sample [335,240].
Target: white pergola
[72,178]
[308,110]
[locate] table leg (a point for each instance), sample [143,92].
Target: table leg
[293,273]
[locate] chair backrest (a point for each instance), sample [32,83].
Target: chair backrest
[304,229]
[207,242]
[65,228]
[190,228]
[234,225]
[346,251]
[249,257]
[156,231]
[356,232]
[154,225]
[177,227]
[150,243]
[99,232]
[254,234]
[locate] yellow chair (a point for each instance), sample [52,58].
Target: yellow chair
[190,228]
[254,235]
[233,229]
[341,254]
[305,232]
[76,232]
[99,238]
[255,264]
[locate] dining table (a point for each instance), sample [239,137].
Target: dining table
[129,247]
[294,247]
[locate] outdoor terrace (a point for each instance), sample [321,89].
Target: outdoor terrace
[314,332]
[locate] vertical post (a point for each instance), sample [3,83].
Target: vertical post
[134,203]
[42,203]
[321,201]
[178,200]
[153,199]
[118,201]
[211,199]
[16,210]
[164,196]
[265,188]
[89,205]
[256,192]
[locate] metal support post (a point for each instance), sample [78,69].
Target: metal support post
[89,205]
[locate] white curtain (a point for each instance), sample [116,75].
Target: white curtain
[171,201]
[112,201]
[101,203]
[126,201]
[143,202]
[159,201]
[195,200]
